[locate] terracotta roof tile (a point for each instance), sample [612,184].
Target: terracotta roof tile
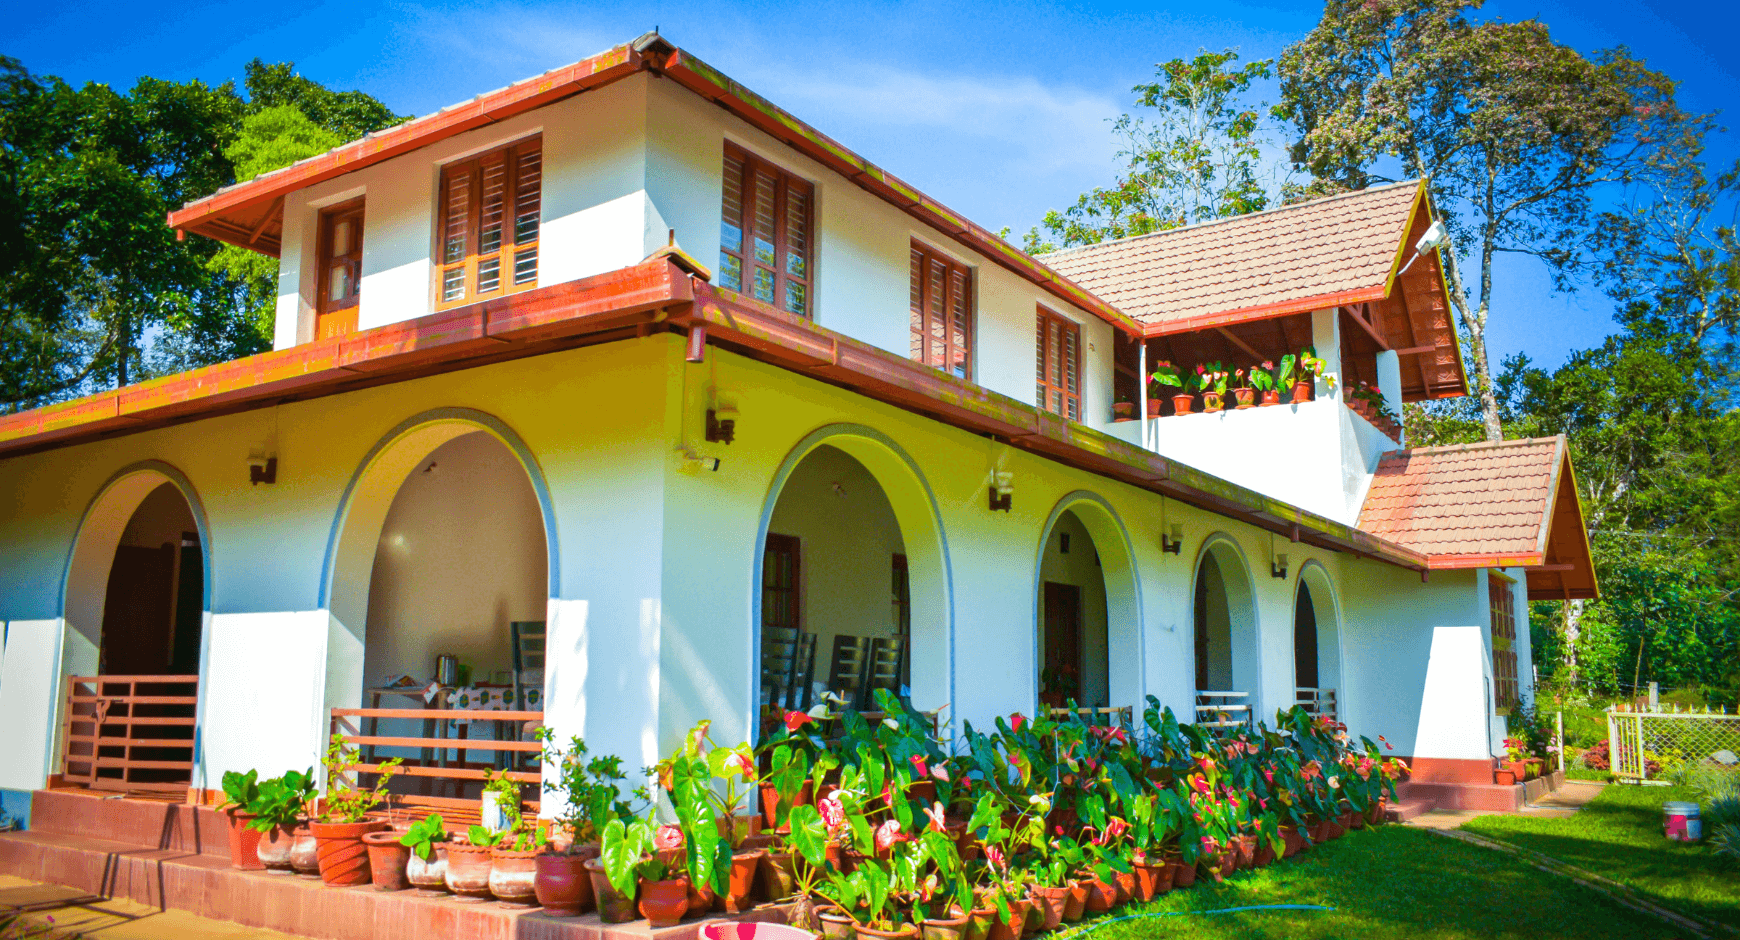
[1313,249]
[1471,499]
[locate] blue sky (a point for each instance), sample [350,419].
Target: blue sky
[999,110]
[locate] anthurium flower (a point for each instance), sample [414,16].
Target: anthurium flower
[740,763]
[832,810]
[668,837]
[1016,721]
[938,821]
[994,855]
[1268,775]
[887,834]
[940,772]
[918,765]
[796,720]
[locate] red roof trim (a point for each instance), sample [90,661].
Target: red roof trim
[1265,312]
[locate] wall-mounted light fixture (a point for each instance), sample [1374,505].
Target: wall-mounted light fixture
[691,462]
[1002,490]
[1063,543]
[721,424]
[1436,237]
[262,469]
[1175,543]
[1278,567]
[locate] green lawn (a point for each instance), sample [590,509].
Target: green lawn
[1394,882]
[1618,836]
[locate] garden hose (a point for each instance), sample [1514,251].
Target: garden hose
[1083,931]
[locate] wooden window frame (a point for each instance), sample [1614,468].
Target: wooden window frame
[1057,364]
[942,329]
[1501,602]
[784,185]
[332,319]
[514,247]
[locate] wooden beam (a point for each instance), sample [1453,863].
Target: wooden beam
[1365,327]
[265,220]
[1238,342]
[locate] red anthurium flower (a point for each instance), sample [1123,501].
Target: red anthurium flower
[1268,775]
[1116,827]
[1201,785]
[887,834]
[668,837]
[796,720]
[832,810]
[918,765]
[994,855]
[1016,721]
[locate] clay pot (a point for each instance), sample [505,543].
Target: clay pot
[1075,902]
[244,842]
[1291,841]
[561,884]
[770,802]
[1247,851]
[1271,397]
[1012,928]
[663,903]
[1101,894]
[305,853]
[1247,398]
[1181,404]
[946,928]
[614,907]
[1212,402]
[388,859]
[468,868]
[746,826]
[428,876]
[340,852]
[702,898]
[272,848]
[1379,813]
[1152,878]
[835,925]
[1035,922]
[1302,391]
[1050,903]
[742,885]
[513,875]
[1125,882]
[903,932]
[1183,876]
[778,875]
[979,923]
[1123,409]
[1352,820]
[1156,406]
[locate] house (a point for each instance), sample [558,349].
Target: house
[627,359]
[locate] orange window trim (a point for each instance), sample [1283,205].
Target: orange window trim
[338,276]
[941,308]
[488,223]
[765,233]
[1058,354]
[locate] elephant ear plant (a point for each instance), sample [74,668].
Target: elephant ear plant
[707,783]
[422,836]
[282,801]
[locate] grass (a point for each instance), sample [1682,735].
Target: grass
[1618,835]
[1392,882]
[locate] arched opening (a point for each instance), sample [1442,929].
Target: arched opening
[1227,665]
[1075,660]
[135,607]
[438,587]
[1316,644]
[853,591]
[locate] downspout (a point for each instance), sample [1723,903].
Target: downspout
[1142,385]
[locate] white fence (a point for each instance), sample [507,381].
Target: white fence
[1644,745]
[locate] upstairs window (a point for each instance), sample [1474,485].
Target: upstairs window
[1504,678]
[1059,355]
[764,233]
[942,313]
[340,284]
[490,215]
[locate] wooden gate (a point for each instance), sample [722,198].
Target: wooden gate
[130,732]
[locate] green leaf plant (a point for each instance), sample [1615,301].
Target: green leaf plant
[424,834]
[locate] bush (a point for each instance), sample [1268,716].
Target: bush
[1725,840]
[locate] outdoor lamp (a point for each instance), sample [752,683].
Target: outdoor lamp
[262,469]
[1002,490]
[1436,237]
[1175,544]
[1278,567]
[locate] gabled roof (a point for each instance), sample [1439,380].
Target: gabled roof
[251,214]
[1490,505]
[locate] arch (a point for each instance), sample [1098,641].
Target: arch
[362,512]
[1243,656]
[1314,583]
[930,577]
[1125,678]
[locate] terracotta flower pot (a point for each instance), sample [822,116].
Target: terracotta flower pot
[1075,903]
[1246,397]
[1181,404]
[1302,391]
[1050,903]
[778,876]
[561,884]
[746,826]
[1101,894]
[1271,397]
[305,853]
[663,903]
[1504,778]
[388,859]
[770,802]
[1265,854]
[835,925]
[513,876]
[1291,839]
[1247,856]
[743,868]
[979,923]
[702,899]
[946,928]
[1157,406]
[1183,876]
[244,842]
[340,852]
[1012,928]
[1123,409]
[1212,402]
[272,848]
[614,907]
[1152,878]
[1125,882]
[1352,820]
[901,933]
[468,868]
[428,876]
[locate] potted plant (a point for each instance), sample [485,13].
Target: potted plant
[338,832]
[240,792]
[426,862]
[591,792]
[278,812]
[1212,380]
[635,868]
[1166,375]
[1123,409]
[513,858]
[1243,390]
[712,827]
[1263,380]
[1309,365]
[1516,757]
[469,863]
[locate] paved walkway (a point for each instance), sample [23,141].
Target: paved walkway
[73,913]
[1565,801]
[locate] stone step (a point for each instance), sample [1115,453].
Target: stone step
[1409,809]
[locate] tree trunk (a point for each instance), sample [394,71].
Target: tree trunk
[1572,630]
[1474,321]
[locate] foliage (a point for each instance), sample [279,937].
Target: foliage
[592,790]
[707,816]
[240,790]
[423,835]
[350,804]
[521,834]
[1196,159]
[282,801]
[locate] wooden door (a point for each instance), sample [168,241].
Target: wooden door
[340,272]
[138,612]
[1062,666]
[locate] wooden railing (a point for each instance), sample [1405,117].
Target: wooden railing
[1222,709]
[442,773]
[130,732]
[1317,701]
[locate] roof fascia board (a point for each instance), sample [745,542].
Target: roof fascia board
[1407,229]
[1265,312]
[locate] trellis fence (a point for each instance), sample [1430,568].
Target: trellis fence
[1650,745]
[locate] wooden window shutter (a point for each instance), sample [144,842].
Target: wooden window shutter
[1058,360]
[491,219]
[765,232]
[1506,693]
[941,313]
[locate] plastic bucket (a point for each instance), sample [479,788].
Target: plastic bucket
[1680,821]
[739,930]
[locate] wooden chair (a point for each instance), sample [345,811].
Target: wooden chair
[846,667]
[530,640]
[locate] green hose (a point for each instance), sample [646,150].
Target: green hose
[1083,931]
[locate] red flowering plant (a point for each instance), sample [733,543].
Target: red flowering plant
[1213,817]
[706,784]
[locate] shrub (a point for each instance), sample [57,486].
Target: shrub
[1725,840]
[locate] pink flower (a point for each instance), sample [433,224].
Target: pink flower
[1016,721]
[937,820]
[1268,775]
[1201,785]
[668,837]
[796,720]
[1115,827]
[918,765]
[994,855]
[940,772]
[833,811]
[1262,802]
[1206,762]
[741,763]
[887,834]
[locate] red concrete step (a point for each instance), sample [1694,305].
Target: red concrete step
[1409,809]
[199,830]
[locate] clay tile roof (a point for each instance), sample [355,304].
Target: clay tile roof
[1504,504]
[1337,249]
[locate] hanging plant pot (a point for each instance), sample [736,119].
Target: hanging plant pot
[1247,398]
[1180,404]
[388,858]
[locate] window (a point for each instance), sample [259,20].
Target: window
[1059,355]
[340,271]
[770,209]
[1504,679]
[942,313]
[490,213]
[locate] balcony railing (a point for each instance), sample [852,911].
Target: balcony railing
[445,769]
[1222,709]
[1317,701]
[131,733]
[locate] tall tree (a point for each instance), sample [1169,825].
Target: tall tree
[1512,132]
[1196,158]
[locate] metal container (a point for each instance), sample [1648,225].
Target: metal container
[447,670]
[1680,821]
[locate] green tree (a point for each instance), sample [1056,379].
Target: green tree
[1513,132]
[1196,158]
